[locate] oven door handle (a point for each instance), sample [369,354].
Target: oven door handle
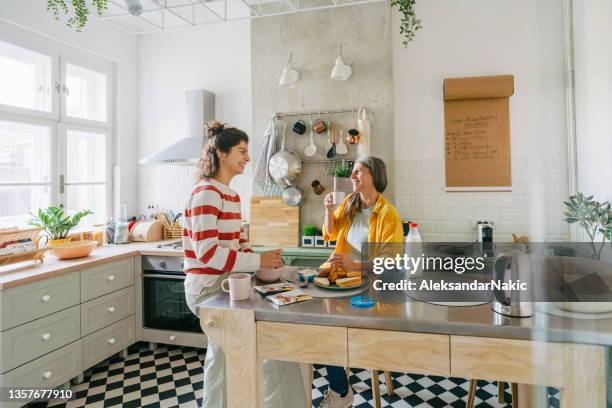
[160,276]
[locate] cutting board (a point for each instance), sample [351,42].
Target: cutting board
[274,223]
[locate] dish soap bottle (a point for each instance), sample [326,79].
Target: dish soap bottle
[413,248]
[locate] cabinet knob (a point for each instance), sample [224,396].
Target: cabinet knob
[45,298]
[110,278]
[111,309]
[112,340]
[47,374]
[46,336]
[172,338]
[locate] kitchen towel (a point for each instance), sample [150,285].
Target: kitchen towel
[263,185]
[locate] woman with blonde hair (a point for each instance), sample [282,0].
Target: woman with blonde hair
[214,247]
[365,216]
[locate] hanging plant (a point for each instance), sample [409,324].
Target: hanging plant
[81,11]
[410,24]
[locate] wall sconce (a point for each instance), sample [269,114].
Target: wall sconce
[290,75]
[341,71]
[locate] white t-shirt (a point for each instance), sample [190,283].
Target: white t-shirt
[358,232]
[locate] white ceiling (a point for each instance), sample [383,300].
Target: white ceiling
[159,15]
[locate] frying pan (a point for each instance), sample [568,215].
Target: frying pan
[285,166]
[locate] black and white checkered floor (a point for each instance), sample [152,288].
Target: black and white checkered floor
[171,376]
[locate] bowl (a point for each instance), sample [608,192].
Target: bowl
[74,249]
[274,274]
[307,275]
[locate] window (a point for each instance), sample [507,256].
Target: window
[55,133]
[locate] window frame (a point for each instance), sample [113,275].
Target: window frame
[58,122]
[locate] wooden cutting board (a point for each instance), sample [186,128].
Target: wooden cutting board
[274,223]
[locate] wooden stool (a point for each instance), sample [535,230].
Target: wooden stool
[500,393]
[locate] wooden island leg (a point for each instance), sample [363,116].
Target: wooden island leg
[235,332]
[583,377]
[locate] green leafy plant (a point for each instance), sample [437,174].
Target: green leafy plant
[310,230]
[56,224]
[340,170]
[409,24]
[593,216]
[79,13]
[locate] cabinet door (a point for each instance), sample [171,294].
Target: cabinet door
[103,279]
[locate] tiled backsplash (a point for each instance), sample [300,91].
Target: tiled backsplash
[534,207]
[168,187]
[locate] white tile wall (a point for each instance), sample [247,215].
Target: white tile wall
[168,187]
[534,208]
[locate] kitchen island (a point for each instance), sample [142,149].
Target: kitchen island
[399,334]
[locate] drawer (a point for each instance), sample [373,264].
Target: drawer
[106,310]
[108,341]
[49,371]
[25,303]
[103,279]
[301,343]
[419,353]
[31,340]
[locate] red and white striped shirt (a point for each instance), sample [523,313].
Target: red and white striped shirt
[213,240]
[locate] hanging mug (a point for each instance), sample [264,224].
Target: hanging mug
[299,127]
[319,126]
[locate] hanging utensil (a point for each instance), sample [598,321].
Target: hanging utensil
[328,145]
[341,147]
[311,149]
[331,153]
[285,166]
[363,124]
[293,196]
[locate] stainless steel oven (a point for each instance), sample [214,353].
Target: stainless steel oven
[166,318]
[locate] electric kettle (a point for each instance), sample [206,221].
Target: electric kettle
[513,266]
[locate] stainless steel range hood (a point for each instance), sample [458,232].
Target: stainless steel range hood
[200,109]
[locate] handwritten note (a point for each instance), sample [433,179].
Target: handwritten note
[477,145]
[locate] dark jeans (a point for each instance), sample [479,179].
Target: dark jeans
[337,379]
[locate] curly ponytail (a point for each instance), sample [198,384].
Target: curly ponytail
[221,138]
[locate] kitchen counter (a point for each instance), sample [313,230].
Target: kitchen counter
[396,311]
[399,334]
[28,272]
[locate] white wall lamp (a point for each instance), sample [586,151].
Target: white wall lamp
[290,75]
[134,7]
[341,71]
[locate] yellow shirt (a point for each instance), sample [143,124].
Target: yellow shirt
[385,226]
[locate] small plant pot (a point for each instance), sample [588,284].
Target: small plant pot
[319,241]
[331,244]
[308,240]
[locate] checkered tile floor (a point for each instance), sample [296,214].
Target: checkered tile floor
[171,376]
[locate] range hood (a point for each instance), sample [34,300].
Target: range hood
[200,109]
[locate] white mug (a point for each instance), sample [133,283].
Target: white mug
[338,196]
[239,286]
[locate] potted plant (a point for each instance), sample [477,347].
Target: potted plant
[80,11]
[56,223]
[594,217]
[319,241]
[340,170]
[308,235]
[409,23]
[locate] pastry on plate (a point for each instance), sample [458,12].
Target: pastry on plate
[344,282]
[322,281]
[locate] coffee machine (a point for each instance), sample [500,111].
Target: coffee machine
[485,238]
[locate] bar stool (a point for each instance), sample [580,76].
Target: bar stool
[500,393]
[376,384]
